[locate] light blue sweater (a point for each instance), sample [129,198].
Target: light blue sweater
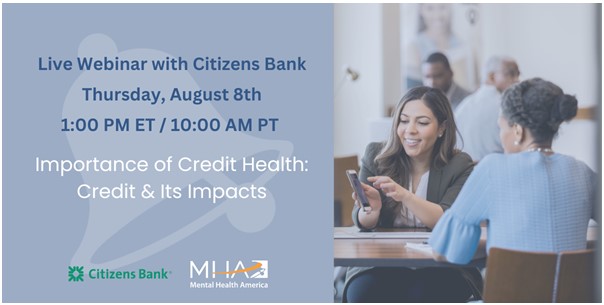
[532,202]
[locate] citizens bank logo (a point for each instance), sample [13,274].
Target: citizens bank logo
[257,269]
[75,274]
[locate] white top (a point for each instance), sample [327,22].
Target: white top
[406,217]
[476,119]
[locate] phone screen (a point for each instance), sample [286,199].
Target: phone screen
[357,187]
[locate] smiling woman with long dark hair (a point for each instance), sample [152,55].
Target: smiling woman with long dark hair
[410,180]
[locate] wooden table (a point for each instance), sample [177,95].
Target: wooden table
[391,252]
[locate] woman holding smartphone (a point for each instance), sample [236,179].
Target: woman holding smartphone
[410,180]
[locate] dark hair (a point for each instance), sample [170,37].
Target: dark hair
[438,57]
[538,105]
[393,161]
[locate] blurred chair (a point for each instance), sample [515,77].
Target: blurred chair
[343,202]
[518,276]
[343,205]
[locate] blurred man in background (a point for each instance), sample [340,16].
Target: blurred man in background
[437,73]
[476,117]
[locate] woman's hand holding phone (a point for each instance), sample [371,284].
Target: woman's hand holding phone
[373,196]
[365,197]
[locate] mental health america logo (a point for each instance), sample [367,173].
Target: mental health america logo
[228,274]
[75,274]
[210,269]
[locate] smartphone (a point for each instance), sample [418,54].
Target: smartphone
[358,189]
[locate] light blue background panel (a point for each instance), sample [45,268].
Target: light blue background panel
[47,227]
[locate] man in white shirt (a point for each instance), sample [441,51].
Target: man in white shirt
[476,117]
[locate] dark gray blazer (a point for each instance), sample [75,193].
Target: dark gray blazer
[457,96]
[444,184]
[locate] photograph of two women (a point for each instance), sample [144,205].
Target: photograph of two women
[475,133]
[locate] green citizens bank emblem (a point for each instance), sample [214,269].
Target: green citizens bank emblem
[76,273]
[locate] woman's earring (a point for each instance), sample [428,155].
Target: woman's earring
[440,135]
[516,142]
